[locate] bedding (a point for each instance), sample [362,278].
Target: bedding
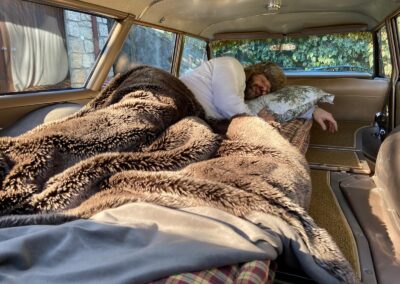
[133,243]
[145,139]
[290,102]
[297,132]
[252,272]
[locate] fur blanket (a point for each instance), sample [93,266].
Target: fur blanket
[143,139]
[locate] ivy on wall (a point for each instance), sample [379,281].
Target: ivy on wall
[332,52]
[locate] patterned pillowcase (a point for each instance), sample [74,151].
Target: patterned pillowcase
[290,102]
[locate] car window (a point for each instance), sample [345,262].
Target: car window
[145,45]
[47,48]
[348,52]
[194,53]
[385,63]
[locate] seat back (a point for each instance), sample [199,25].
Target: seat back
[40,116]
[387,169]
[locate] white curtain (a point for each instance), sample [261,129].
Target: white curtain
[38,52]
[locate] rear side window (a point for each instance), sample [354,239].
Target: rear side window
[348,52]
[194,53]
[47,48]
[385,63]
[146,45]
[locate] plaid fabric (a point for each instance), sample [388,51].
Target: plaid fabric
[253,272]
[297,131]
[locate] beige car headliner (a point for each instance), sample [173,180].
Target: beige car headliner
[208,17]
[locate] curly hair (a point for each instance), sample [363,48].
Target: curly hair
[272,71]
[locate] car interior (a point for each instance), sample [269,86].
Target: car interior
[56,56]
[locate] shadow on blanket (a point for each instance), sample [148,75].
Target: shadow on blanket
[143,139]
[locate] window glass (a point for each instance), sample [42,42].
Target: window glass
[349,52]
[148,46]
[194,53]
[385,63]
[47,48]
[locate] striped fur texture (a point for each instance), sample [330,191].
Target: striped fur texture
[144,139]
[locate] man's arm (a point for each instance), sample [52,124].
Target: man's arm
[325,120]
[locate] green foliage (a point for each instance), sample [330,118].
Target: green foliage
[385,65]
[333,52]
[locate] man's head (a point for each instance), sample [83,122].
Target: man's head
[256,86]
[270,71]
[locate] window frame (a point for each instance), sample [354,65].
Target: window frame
[394,46]
[88,10]
[378,68]
[119,31]
[178,49]
[182,46]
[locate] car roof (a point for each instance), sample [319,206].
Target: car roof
[209,17]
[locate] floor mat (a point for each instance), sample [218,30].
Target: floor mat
[345,137]
[326,212]
[333,157]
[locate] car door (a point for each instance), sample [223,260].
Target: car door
[47,56]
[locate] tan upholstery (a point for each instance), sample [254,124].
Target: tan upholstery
[39,116]
[355,99]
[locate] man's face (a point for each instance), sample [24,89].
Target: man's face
[259,85]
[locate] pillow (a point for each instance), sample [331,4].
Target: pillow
[290,102]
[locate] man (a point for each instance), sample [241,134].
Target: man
[220,86]
[261,79]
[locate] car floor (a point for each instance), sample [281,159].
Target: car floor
[326,212]
[346,202]
[334,153]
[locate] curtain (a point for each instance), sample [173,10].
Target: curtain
[37,49]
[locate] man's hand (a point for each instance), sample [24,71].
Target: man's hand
[264,114]
[325,119]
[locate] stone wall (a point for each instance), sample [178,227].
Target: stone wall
[147,46]
[82,43]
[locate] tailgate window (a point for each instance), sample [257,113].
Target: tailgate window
[322,54]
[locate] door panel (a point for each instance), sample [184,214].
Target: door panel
[397,118]
[14,107]
[355,99]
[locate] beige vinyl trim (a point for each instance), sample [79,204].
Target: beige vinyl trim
[247,35]
[177,55]
[147,24]
[398,103]
[395,70]
[395,42]
[28,99]
[83,7]
[381,24]
[355,99]
[331,30]
[327,75]
[154,2]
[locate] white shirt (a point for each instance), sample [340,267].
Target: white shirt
[218,85]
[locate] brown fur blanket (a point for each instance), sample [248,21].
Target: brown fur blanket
[143,139]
